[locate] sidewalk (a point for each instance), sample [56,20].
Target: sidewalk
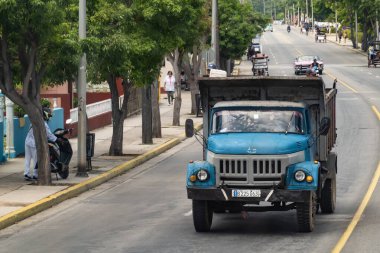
[20,199]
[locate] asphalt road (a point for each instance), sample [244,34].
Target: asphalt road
[146,210]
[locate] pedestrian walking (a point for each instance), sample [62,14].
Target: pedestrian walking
[169,86]
[30,147]
[340,34]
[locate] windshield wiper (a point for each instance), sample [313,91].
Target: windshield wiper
[290,121]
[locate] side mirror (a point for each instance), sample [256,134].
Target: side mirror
[189,128]
[324,126]
[68,121]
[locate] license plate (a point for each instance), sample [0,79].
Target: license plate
[246,193]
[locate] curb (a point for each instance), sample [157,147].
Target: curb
[359,51]
[73,191]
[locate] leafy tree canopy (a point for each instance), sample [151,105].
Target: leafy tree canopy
[238,24]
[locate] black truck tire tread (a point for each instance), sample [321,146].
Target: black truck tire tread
[202,216]
[306,213]
[328,198]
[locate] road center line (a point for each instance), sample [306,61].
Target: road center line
[346,235]
[376,111]
[342,82]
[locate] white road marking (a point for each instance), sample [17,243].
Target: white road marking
[189,213]
[270,194]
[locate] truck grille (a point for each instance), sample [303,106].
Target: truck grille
[252,170]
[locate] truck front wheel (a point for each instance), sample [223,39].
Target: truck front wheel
[202,215]
[328,198]
[306,212]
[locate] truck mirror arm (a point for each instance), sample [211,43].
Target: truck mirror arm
[323,130]
[199,136]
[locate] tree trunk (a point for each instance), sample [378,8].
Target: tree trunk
[118,115]
[39,132]
[156,117]
[175,60]
[147,134]
[192,70]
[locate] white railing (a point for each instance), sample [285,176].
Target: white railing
[95,109]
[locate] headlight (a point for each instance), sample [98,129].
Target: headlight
[202,175]
[299,176]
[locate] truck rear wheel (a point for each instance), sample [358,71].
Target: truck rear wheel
[202,215]
[328,198]
[306,212]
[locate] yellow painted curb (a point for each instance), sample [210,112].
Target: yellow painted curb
[73,191]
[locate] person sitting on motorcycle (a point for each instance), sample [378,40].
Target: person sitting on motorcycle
[314,66]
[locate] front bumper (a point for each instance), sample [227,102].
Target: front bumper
[268,195]
[304,69]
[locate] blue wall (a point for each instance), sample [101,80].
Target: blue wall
[20,132]
[2,156]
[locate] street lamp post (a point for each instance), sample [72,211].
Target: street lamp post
[312,15]
[336,23]
[377,26]
[81,86]
[214,32]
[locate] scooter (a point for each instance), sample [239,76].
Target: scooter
[60,153]
[314,71]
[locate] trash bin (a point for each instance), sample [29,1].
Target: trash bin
[90,146]
[198,103]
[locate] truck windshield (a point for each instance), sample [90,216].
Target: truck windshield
[267,121]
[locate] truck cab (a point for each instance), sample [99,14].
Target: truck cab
[268,147]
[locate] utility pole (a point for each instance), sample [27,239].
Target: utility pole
[377,26]
[312,15]
[81,87]
[356,29]
[307,11]
[336,22]
[264,7]
[215,33]
[294,14]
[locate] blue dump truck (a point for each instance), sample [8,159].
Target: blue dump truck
[267,146]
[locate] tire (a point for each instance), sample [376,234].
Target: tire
[320,72]
[202,215]
[64,173]
[328,196]
[296,73]
[306,213]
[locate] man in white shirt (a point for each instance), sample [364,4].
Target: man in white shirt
[169,86]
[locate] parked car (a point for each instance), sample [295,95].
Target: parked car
[303,62]
[268,28]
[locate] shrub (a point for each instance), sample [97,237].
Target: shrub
[20,112]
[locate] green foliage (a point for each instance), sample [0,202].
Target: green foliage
[130,40]
[238,24]
[20,112]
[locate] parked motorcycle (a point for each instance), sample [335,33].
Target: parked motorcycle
[60,153]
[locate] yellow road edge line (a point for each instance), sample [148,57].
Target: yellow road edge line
[346,235]
[376,111]
[75,190]
[342,82]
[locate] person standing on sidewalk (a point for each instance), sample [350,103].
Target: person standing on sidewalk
[340,34]
[169,86]
[30,147]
